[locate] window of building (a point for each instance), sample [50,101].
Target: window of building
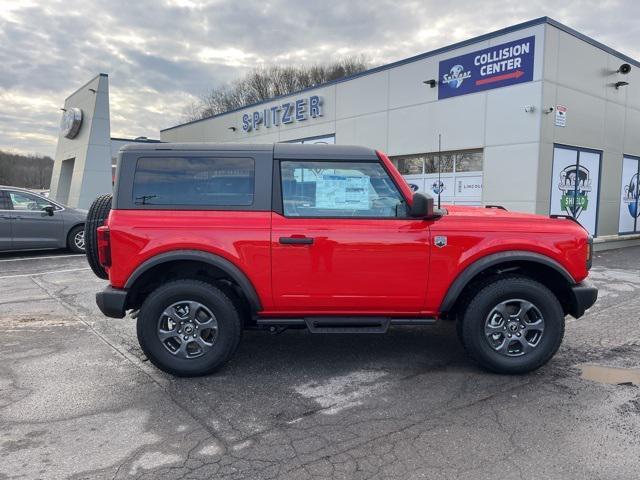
[460,177]
[339,189]
[468,161]
[410,165]
[446,160]
[450,162]
[198,181]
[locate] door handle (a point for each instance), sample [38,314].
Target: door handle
[296,240]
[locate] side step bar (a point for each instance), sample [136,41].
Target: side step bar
[343,324]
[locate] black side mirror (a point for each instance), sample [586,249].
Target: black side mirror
[48,210]
[422,206]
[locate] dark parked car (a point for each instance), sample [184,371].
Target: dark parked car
[29,221]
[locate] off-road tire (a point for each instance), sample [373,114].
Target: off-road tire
[229,329]
[98,213]
[472,328]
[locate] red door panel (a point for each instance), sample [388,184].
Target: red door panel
[352,265]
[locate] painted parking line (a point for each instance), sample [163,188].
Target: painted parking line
[43,273]
[40,258]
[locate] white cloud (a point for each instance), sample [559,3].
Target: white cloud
[160,55]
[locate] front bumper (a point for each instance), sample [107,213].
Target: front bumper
[583,296]
[111,302]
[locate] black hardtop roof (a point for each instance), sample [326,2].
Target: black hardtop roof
[280,150]
[321,150]
[254,147]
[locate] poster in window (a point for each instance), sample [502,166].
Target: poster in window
[415,182]
[446,186]
[629,196]
[575,185]
[342,192]
[468,186]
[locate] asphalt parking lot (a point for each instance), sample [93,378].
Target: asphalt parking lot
[78,399]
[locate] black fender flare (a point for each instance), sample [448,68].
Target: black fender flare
[204,257]
[463,279]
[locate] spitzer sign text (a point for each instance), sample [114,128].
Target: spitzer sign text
[287,112]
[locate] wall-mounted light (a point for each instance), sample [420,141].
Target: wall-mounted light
[233,129]
[620,84]
[529,108]
[432,83]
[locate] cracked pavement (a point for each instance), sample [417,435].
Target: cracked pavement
[78,399]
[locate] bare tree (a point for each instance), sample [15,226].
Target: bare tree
[263,83]
[25,170]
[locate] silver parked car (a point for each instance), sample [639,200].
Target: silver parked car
[29,221]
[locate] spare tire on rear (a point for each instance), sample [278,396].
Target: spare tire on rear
[98,213]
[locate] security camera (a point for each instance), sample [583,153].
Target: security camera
[548,110]
[624,68]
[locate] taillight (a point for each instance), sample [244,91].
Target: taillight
[589,252]
[104,246]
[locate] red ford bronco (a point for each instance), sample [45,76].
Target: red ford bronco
[201,241]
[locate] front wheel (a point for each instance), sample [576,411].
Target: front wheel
[512,325]
[188,328]
[75,239]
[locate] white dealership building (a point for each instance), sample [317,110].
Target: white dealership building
[536,117]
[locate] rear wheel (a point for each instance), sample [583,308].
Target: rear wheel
[188,328]
[512,325]
[98,213]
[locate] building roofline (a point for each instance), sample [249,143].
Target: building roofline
[437,51]
[591,41]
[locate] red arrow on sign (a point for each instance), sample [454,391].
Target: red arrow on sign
[498,78]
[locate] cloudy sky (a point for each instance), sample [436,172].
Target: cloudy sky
[160,54]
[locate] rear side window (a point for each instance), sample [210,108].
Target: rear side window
[198,181]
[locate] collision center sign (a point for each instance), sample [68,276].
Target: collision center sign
[492,67]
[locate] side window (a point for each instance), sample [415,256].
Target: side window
[197,181]
[339,189]
[4,201]
[24,201]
